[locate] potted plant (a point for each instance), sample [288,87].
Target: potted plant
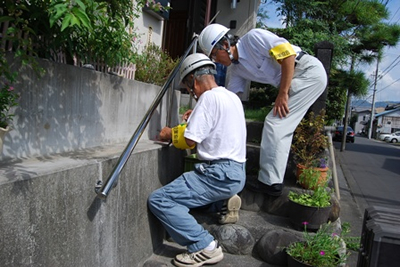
[324,248]
[311,206]
[310,143]
[311,178]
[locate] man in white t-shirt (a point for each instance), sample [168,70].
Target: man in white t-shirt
[217,126]
[264,57]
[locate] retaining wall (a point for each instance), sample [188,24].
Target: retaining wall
[71,127]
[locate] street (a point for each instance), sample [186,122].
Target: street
[372,170]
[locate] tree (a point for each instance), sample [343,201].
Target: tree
[355,28]
[90,30]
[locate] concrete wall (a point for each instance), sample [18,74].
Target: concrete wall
[71,108]
[150,30]
[50,216]
[245,15]
[70,130]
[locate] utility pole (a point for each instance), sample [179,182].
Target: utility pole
[373,99]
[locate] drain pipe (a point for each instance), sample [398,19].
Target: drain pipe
[328,131]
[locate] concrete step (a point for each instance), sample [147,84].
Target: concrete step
[260,214]
[258,223]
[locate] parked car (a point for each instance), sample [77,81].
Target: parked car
[393,138]
[339,133]
[382,136]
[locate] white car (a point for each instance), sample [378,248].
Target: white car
[393,138]
[384,135]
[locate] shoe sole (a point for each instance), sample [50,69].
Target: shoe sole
[233,207]
[206,262]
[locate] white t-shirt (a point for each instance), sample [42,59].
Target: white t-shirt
[255,62]
[218,126]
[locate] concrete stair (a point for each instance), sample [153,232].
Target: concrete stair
[260,214]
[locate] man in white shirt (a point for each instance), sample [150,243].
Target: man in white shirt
[217,126]
[264,57]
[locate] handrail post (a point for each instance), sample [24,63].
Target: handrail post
[329,130]
[113,177]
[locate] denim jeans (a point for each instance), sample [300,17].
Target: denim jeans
[207,184]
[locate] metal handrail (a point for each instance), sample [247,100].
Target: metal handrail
[113,177]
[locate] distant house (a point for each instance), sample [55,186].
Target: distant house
[388,121]
[363,115]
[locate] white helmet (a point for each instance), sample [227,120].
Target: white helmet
[193,62]
[211,35]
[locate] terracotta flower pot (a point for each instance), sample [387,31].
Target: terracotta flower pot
[321,181]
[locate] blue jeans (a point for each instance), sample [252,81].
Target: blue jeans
[205,185]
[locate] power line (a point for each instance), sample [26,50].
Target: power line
[390,66]
[394,15]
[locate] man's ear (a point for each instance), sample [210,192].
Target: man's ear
[195,82]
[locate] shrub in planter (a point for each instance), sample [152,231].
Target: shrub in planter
[310,206]
[311,178]
[309,141]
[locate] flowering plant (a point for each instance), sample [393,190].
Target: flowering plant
[311,178]
[321,162]
[8,99]
[324,248]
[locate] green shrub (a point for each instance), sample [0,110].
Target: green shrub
[154,65]
[256,114]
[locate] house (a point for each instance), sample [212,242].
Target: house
[173,30]
[388,121]
[363,116]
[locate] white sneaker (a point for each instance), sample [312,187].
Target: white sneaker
[199,258]
[230,210]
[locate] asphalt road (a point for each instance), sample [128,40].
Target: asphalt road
[372,170]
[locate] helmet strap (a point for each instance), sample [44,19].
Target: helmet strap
[190,85]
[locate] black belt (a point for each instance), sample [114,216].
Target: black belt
[211,162]
[299,56]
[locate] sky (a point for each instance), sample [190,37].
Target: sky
[388,86]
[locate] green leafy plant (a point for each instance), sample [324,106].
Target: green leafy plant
[309,141]
[257,114]
[154,65]
[320,197]
[8,99]
[311,178]
[324,248]
[156,6]
[8,96]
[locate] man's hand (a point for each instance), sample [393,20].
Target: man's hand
[185,116]
[281,105]
[166,134]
